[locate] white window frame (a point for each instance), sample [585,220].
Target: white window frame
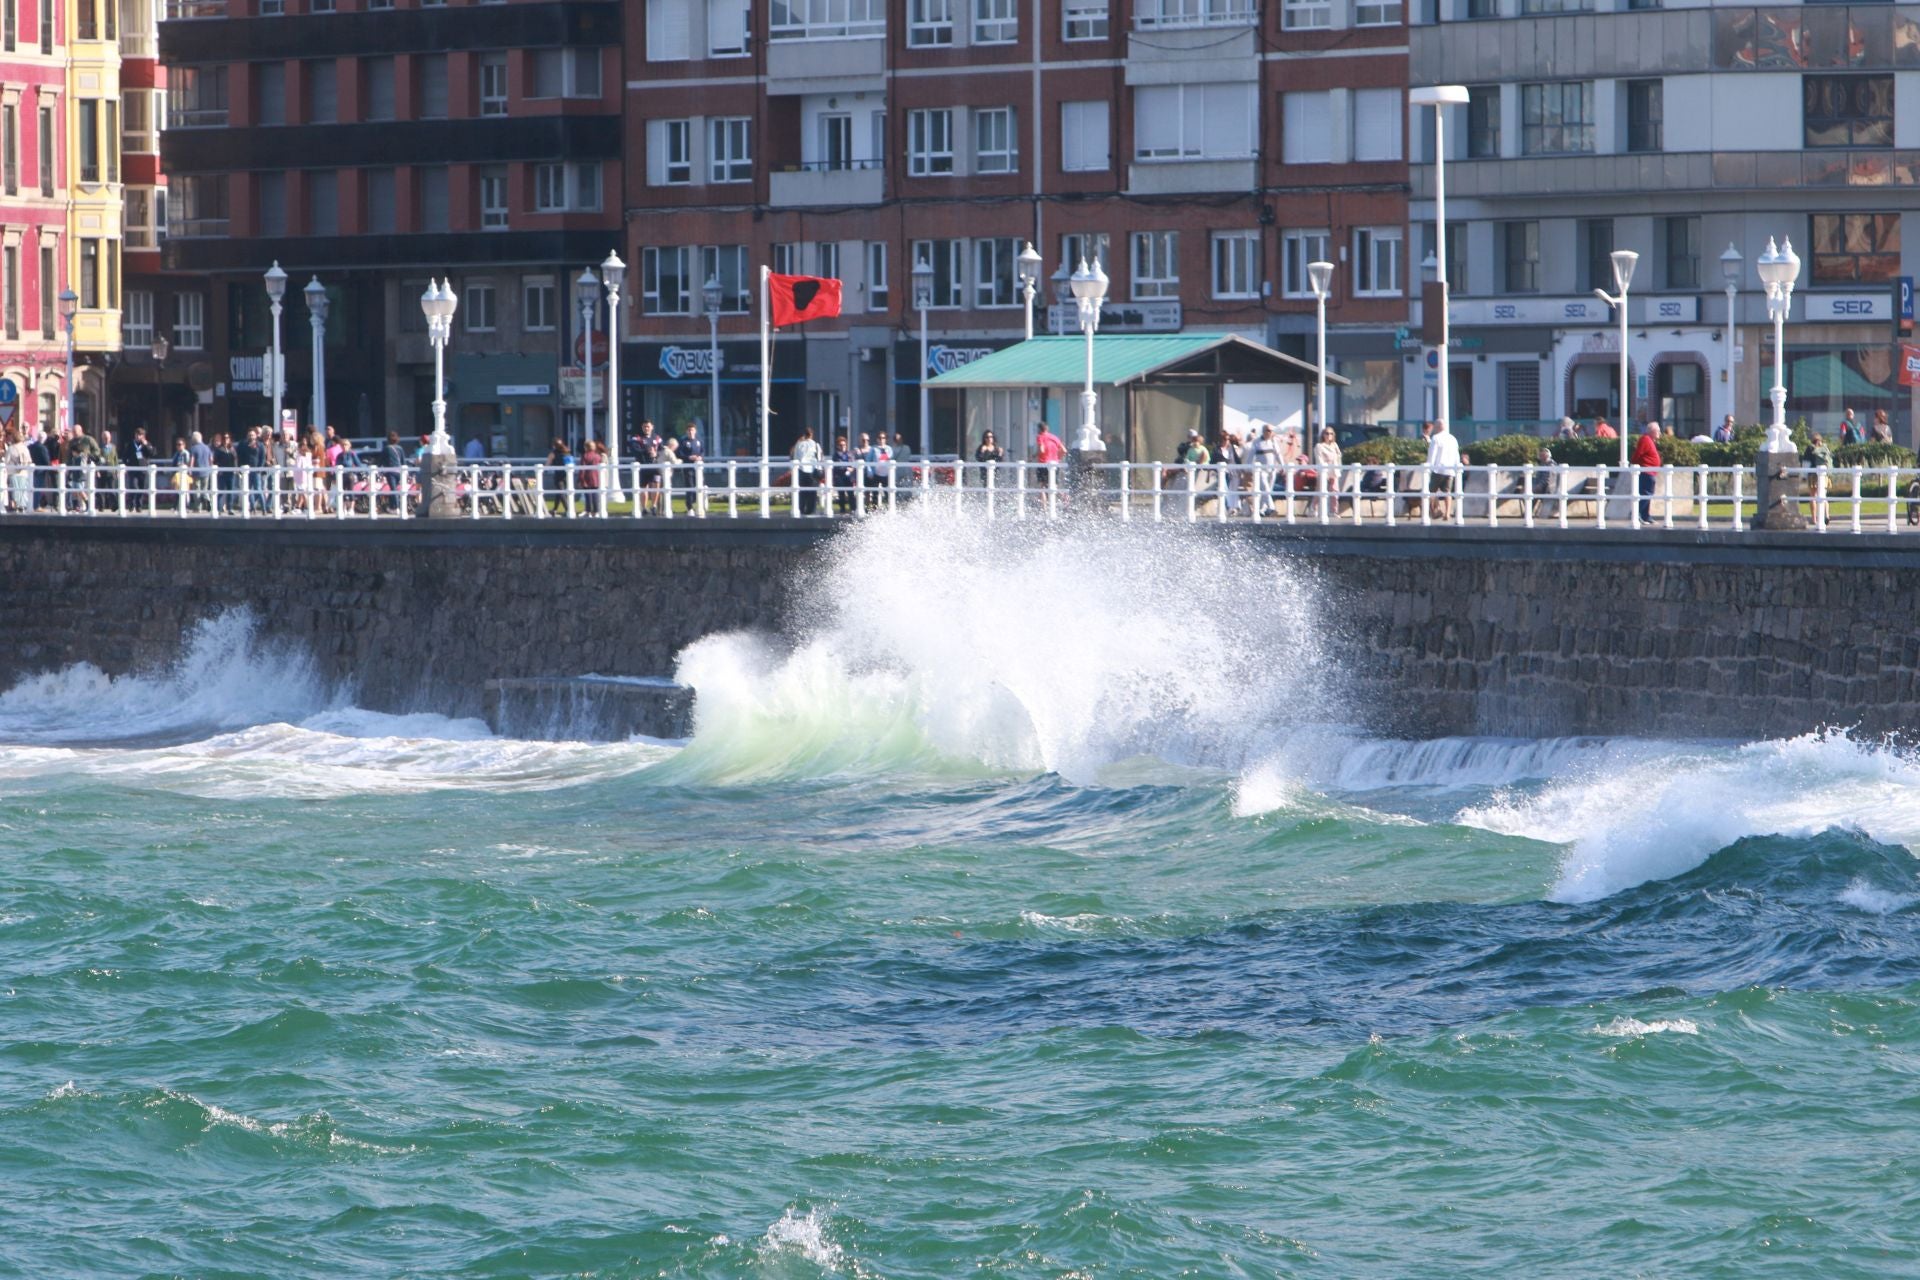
[786,258]
[877,290]
[493,98]
[539,304]
[1236,264]
[1085,20]
[744,48]
[932,126]
[494,180]
[652,302]
[190,321]
[929,23]
[1379,261]
[1158,275]
[569,187]
[1378,13]
[1105,113]
[666,41]
[1165,15]
[1078,245]
[479,306]
[1001,158]
[674,167]
[730,149]
[1297,248]
[1306,15]
[136,318]
[826,19]
[996,21]
[996,263]
[955,283]
[1184,93]
[826,259]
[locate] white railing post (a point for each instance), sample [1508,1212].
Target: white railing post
[733,488]
[1701,485]
[1289,484]
[1666,497]
[1893,497]
[1493,497]
[1393,493]
[1527,491]
[1193,499]
[1126,491]
[1560,488]
[1426,496]
[1822,499]
[1159,493]
[1222,489]
[1606,492]
[1020,488]
[859,491]
[573,512]
[60,489]
[120,484]
[1857,470]
[993,488]
[765,478]
[1739,498]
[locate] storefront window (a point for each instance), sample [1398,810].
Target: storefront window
[1822,382]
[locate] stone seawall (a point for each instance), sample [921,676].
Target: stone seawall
[1443,631]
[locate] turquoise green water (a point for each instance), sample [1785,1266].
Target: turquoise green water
[308,991]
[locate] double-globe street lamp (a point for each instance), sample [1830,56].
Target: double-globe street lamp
[438,304]
[1089,293]
[317,307]
[1029,269]
[586,297]
[1779,269]
[1320,278]
[1624,261]
[276,294]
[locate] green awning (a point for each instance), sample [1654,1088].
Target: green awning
[1117,360]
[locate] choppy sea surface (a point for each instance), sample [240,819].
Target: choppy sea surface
[1024,911]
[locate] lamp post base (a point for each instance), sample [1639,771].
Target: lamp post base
[1778,495]
[1087,478]
[439,494]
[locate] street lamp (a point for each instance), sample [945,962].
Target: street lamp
[1623,264]
[159,351]
[1319,277]
[614,272]
[710,293]
[1440,97]
[276,291]
[1730,264]
[316,294]
[1029,264]
[438,304]
[586,295]
[923,299]
[69,304]
[1089,291]
[1779,268]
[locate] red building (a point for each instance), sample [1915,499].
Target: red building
[34,199]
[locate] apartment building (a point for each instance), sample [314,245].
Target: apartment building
[1679,132]
[1202,150]
[372,145]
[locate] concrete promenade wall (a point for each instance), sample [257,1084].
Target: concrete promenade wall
[1444,631]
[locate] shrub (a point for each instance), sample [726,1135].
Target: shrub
[1400,450]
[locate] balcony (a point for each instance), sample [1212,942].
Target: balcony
[1864,171]
[1175,15]
[821,183]
[825,65]
[826,19]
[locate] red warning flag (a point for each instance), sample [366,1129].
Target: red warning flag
[797,298]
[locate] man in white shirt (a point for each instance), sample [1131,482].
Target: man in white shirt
[1443,467]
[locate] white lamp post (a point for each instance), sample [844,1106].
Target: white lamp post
[586,295]
[1779,268]
[438,304]
[1029,263]
[1623,264]
[1089,291]
[1730,264]
[276,291]
[69,305]
[1319,277]
[316,294]
[710,294]
[923,299]
[614,272]
[1440,97]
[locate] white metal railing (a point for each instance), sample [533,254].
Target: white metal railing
[1852,500]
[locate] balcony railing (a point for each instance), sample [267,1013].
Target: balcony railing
[837,166]
[188,10]
[197,118]
[1164,15]
[196,228]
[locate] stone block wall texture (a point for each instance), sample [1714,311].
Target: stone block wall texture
[1440,631]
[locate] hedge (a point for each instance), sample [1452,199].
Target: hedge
[1585,451]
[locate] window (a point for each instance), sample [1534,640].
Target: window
[136,126]
[929,142]
[1556,118]
[197,97]
[1848,111]
[87,114]
[786,258]
[1078,248]
[270,203]
[1303,15]
[669,152]
[1306,127]
[1855,248]
[728,264]
[46,157]
[876,275]
[430,78]
[994,272]
[1297,249]
[493,197]
[136,318]
[669,33]
[567,189]
[137,226]
[1483,122]
[382,202]
[538,310]
[87,14]
[436,212]
[110,136]
[1377,254]
[826,19]
[1377,13]
[376,88]
[46,26]
[1084,20]
[479,309]
[1522,244]
[1193,121]
[996,21]
[665,289]
[323,203]
[203,204]
[826,259]
[190,321]
[270,93]
[836,142]
[1156,264]
[323,92]
[1597,235]
[10,146]
[1236,264]
[996,140]
[1644,113]
[493,84]
[49,286]
[929,23]
[1148,14]
[1556,6]
[11,285]
[949,261]
[1084,137]
[1682,239]
[726,29]
[729,159]
[11,36]
[566,73]
[1376,124]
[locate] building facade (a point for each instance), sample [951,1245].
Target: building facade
[1682,133]
[1202,150]
[372,145]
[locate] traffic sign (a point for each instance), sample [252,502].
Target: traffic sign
[9,391]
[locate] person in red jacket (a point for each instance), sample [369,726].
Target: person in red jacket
[1646,456]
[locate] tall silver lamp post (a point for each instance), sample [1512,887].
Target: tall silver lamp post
[1730,264]
[276,293]
[1089,292]
[710,294]
[1319,278]
[923,300]
[1029,265]
[69,306]
[1779,269]
[614,272]
[586,295]
[316,294]
[1440,97]
[1623,264]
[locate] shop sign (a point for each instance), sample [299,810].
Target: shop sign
[1163,316]
[506,389]
[1849,306]
[691,362]
[1537,311]
[1909,365]
[249,374]
[944,359]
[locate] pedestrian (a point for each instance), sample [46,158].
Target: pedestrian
[557,494]
[989,455]
[1443,469]
[877,454]
[201,455]
[1603,430]
[592,463]
[226,462]
[806,471]
[1723,434]
[19,471]
[1327,461]
[902,460]
[841,475]
[1850,432]
[1819,458]
[1049,450]
[1264,454]
[693,451]
[1882,429]
[645,450]
[1544,478]
[1646,456]
[1568,429]
[1233,462]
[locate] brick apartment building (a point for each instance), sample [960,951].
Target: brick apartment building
[1204,150]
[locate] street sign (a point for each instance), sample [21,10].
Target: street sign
[9,391]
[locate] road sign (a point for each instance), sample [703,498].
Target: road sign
[9,391]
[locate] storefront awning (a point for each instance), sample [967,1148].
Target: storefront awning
[1119,359]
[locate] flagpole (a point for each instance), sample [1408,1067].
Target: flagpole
[766,376]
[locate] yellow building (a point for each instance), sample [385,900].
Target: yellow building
[93,178]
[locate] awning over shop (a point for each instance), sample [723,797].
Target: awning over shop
[1121,359]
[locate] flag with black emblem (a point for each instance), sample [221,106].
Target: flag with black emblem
[797,298]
